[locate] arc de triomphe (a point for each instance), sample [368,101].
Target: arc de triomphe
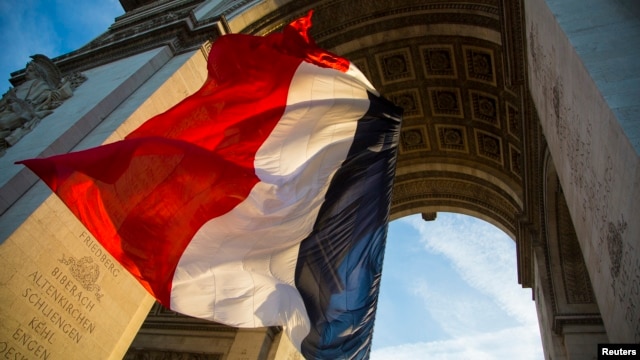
[521,113]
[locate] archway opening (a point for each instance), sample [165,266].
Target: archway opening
[449,289]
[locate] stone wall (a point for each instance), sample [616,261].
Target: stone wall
[597,165]
[62,295]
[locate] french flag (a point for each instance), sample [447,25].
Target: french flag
[260,200]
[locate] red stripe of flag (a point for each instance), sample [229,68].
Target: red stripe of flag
[144,198]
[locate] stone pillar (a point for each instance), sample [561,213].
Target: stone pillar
[598,168]
[62,295]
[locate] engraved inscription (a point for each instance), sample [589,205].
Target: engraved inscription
[614,245]
[58,300]
[28,342]
[61,310]
[100,254]
[574,133]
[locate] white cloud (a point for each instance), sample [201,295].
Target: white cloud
[483,256]
[461,312]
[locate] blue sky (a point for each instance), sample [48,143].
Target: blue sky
[450,291]
[52,28]
[449,287]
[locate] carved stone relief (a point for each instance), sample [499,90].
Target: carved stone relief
[485,108]
[515,160]
[438,61]
[414,138]
[489,146]
[24,106]
[409,101]
[480,64]
[395,66]
[86,271]
[446,102]
[513,121]
[452,138]
[451,89]
[614,245]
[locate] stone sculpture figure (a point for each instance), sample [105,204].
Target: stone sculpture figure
[22,107]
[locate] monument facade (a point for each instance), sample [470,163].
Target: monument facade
[521,113]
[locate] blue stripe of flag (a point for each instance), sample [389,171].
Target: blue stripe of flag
[340,263]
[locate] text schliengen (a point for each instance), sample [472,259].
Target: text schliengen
[57,319]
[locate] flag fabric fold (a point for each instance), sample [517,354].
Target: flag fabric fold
[260,200]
